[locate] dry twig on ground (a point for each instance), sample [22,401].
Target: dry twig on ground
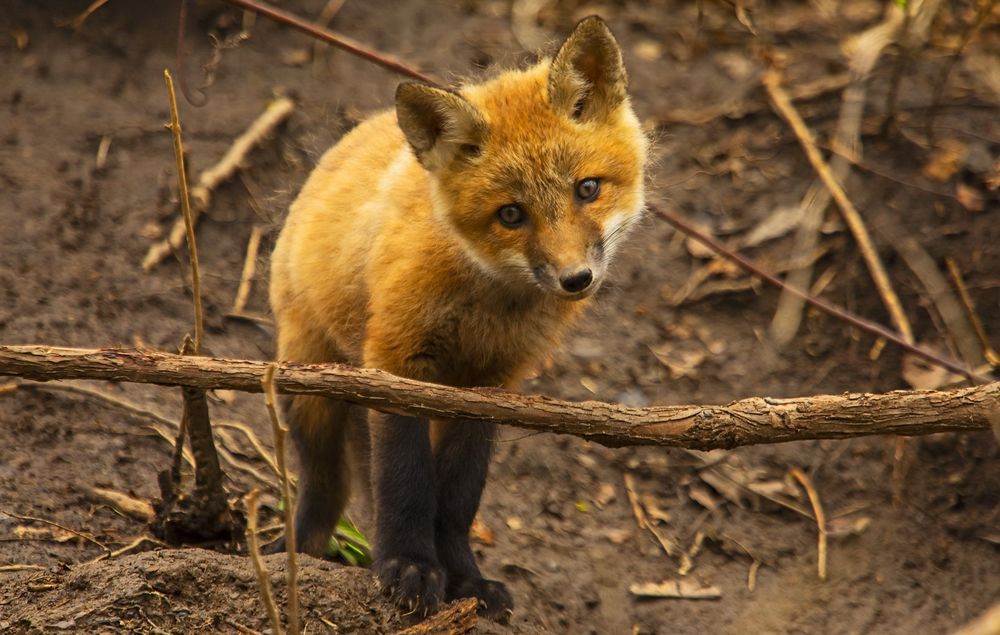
[457,619]
[806,483]
[253,546]
[201,194]
[279,430]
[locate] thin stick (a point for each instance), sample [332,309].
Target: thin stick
[990,353]
[175,129]
[270,399]
[78,21]
[772,82]
[137,508]
[263,581]
[385,61]
[249,268]
[8,568]
[801,477]
[51,523]
[201,194]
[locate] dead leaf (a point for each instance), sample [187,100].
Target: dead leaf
[680,589]
[617,536]
[682,359]
[970,198]
[842,527]
[653,509]
[924,376]
[945,160]
[775,225]
[480,532]
[605,494]
[702,496]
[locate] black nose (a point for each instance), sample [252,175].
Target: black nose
[577,281]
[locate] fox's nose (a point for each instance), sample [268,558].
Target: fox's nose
[577,281]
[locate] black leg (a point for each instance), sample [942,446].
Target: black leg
[462,455]
[319,430]
[405,503]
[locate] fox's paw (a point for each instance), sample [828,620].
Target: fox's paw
[413,584]
[495,601]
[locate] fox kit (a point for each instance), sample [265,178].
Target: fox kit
[452,241]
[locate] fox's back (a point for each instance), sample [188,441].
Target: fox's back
[319,267]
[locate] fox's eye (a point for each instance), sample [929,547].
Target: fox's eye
[587,189]
[511,215]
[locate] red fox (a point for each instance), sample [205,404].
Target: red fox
[453,241]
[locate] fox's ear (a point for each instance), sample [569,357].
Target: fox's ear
[440,125]
[587,79]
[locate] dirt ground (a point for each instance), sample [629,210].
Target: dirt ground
[559,526]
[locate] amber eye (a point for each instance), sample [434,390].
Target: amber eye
[587,189]
[511,215]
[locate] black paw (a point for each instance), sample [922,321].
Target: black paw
[414,585]
[278,546]
[495,601]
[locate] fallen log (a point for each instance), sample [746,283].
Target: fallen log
[746,422]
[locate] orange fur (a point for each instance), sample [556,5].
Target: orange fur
[380,255]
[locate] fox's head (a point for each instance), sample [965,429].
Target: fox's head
[538,172]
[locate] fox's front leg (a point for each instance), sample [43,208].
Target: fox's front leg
[405,491]
[462,454]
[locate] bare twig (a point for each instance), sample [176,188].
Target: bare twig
[51,523]
[329,11]
[201,194]
[253,546]
[744,422]
[175,129]
[249,268]
[78,21]
[11,568]
[457,619]
[990,353]
[270,399]
[940,294]
[772,82]
[806,482]
[130,505]
[340,41]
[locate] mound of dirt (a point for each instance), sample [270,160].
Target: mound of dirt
[189,591]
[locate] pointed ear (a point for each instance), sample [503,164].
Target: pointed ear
[587,79]
[439,125]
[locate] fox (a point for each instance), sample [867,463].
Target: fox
[453,239]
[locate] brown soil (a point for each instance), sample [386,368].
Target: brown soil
[564,535]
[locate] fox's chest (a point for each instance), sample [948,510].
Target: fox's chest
[477,345]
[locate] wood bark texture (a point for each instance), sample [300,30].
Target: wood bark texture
[746,422]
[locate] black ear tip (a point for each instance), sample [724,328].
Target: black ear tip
[593,23]
[406,88]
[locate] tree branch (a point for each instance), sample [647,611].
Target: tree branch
[746,422]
